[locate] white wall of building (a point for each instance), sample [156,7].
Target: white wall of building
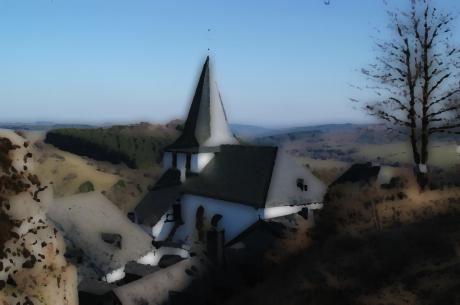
[199,161]
[181,160]
[283,185]
[236,217]
[274,212]
[167,160]
[161,229]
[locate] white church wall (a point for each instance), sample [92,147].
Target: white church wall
[235,217]
[181,162]
[199,161]
[274,212]
[167,160]
[283,186]
[161,229]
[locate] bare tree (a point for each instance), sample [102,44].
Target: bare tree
[415,78]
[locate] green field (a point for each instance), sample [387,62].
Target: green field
[441,154]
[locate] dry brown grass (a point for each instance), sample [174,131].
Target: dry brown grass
[383,250]
[65,172]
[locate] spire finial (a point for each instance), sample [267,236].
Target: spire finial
[209,40]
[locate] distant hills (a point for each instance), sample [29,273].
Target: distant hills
[268,136]
[250,131]
[141,145]
[42,126]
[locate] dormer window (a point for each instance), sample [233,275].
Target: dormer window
[301,185]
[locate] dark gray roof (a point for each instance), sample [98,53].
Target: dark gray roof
[237,173]
[140,269]
[84,219]
[94,286]
[160,198]
[206,106]
[359,172]
[259,233]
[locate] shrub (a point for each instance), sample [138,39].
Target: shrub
[86,187]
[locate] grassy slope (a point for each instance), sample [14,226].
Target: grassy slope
[65,172]
[408,254]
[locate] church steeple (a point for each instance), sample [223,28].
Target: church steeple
[206,125]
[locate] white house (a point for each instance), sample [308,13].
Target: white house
[212,182]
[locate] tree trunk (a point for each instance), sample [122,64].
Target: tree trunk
[423,170]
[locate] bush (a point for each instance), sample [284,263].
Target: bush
[86,187]
[120,183]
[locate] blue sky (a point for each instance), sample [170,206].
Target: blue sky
[278,63]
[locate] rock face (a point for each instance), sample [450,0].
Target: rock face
[32,268]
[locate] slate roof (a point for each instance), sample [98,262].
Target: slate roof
[157,287]
[238,173]
[83,218]
[160,198]
[359,172]
[206,125]
[259,234]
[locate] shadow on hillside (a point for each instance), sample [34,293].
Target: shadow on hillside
[415,262]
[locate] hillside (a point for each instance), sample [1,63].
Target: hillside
[138,146]
[372,245]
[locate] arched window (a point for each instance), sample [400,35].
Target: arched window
[199,222]
[215,220]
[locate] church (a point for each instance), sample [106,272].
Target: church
[214,183]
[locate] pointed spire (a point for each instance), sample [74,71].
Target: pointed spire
[206,124]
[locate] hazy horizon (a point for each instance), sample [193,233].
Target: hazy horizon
[112,123]
[276,64]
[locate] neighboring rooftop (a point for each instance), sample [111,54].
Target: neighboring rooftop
[206,125]
[157,287]
[92,224]
[160,198]
[359,172]
[259,235]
